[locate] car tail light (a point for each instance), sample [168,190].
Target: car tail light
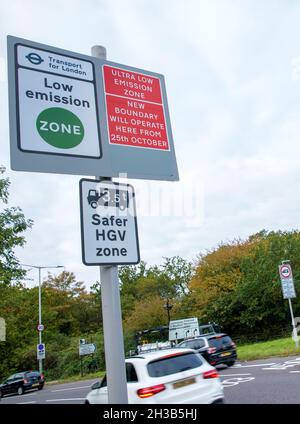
[151,391]
[42,376]
[211,350]
[210,374]
[233,344]
[25,381]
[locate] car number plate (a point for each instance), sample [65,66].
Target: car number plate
[35,384]
[183,383]
[226,354]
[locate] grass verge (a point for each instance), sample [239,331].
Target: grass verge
[95,375]
[280,347]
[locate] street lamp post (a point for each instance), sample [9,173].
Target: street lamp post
[168,307]
[40,303]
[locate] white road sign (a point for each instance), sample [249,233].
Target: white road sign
[57,104]
[108,223]
[287,281]
[183,328]
[41,351]
[2,330]
[87,349]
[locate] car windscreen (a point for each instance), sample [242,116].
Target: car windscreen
[173,364]
[220,342]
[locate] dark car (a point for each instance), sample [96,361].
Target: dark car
[22,381]
[216,348]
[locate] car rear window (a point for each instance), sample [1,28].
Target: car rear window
[173,364]
[33,374]
[196,344]
[219,342]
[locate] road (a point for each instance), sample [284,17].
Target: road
[269,381]
[53,394]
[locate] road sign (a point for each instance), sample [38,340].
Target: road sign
[108,223]
[287,281]
[87,349]
[183,328]
[2,330]
[77,114]
[40,327]
[41,351]
[135,110]
[53,109]
[285,271]
[138,124]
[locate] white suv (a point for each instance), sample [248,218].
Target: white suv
[166,376]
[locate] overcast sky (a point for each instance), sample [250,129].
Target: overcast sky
[232,71]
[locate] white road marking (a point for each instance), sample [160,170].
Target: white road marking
[256,365]
[19,396]
[284,365]
[232,375]
[63,400]
[23,403]
[235,381]
[294,371]
[71,388]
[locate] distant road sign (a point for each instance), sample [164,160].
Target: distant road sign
[2,330]
[108,223]
[287,281]
[40,327]
[285,271]
[87,349]
[41,351]
[183,328]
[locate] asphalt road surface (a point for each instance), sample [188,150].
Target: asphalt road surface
[269,381]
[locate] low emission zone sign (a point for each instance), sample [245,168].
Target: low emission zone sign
[77,114]
[109,232]
[56,107]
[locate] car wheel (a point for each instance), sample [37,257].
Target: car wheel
[86,402]
[40,387]
[1,394]
[230,363]
[20,390]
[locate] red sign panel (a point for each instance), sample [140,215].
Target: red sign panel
[134,107]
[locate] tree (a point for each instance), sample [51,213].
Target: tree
[237,284]
[150,288]
[12,226]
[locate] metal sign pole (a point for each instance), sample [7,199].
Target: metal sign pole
[40,319]
[295,335]
[112,318]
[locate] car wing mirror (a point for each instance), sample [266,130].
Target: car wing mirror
[96,385]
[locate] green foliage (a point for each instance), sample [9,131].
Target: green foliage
[146,290]
[12,226]
[238,283]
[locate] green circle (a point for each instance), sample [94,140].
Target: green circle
[60,128]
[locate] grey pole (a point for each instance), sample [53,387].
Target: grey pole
[40,302]
[40,319]
[112,318]
[295,335]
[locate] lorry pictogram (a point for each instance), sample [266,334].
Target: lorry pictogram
[108,197]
